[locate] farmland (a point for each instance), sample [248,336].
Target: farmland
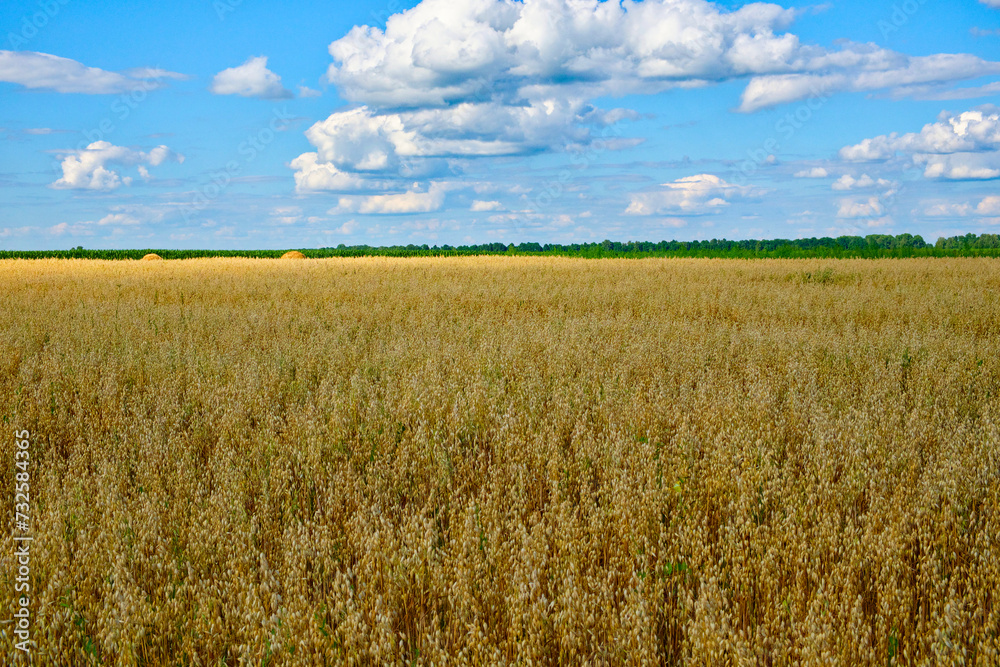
[488,460]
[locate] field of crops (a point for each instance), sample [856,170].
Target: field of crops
[506,460]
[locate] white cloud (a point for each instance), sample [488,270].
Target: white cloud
[959,147]
[453,80]
[960,166]
[126,215]
[692,195]
[287,215]
[480,206]
[87,169]
[118,219]
[352,146]
[346,229]
[312,176]
[306,91]
[991,3]
[863,68]
[989,205]
[815,172]
[62,75]
[966,132]
[946,210]
[7,232]
[866,208]
[945,93]
[390,204]
[38,130]
[848,182]
[251,79]
[363,140]
[446,51]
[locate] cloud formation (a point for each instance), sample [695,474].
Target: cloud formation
[848,182]
[986,207]
[449,81]
[394,204]
[43,71]
[692,195]
[251,79]
[480,206]
[956,147]
[872,207]
[87,169]
[355,145]
[447,51]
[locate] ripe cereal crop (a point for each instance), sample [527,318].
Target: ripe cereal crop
[506,460]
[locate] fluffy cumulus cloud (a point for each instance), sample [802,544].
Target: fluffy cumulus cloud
[89,168]
[311,175]
[692,195]
[815,172]
[44,71]
[956,147]
[449,81]
[251,79]
[872,207]
[446,51]
[989,206]
[352,146]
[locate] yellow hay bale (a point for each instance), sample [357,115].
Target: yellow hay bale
[151,257]
[293,254]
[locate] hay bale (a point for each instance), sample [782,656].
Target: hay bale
[293,254]
[151,257]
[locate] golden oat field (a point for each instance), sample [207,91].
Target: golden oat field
[506,460]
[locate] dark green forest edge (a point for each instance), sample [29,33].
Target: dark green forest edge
[873,246]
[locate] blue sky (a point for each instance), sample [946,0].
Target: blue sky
[253,124]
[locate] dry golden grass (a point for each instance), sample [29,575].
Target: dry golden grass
[293,254]
[508,460]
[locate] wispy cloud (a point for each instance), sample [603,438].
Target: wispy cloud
[44,71]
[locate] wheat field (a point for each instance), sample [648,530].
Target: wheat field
[528,461]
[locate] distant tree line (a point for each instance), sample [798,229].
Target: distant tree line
[872,246]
